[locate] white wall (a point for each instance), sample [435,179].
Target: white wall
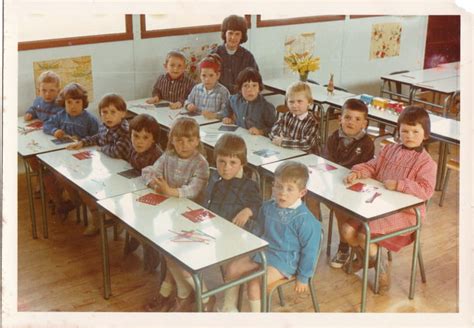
[131,67]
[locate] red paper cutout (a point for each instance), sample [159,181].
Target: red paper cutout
[323,167]
[198,215]
[35,125]
[83,155]
[358,187]
[152,199]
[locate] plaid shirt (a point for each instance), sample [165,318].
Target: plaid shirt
[296,133]
[147,158]
[188,175]
[114,142]
[173,90]
[214,100]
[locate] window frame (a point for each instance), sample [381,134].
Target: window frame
[147,34]
[80,40]
[298,20]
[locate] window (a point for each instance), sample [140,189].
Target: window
[283,19]
[152,26]
[38,31]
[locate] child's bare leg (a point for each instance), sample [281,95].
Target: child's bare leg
[349,234]
[254,288]
[189,279]
[372,247]
[184,300]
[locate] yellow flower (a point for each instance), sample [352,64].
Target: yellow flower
[302,62]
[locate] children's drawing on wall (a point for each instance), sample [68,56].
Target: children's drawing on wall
[194,56]
[298,44]
[385,40]
[74,69]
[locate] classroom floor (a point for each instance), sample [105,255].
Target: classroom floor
[63,273]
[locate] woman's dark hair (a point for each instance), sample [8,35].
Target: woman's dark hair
[234,23]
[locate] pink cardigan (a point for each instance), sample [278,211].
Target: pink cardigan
[415,173]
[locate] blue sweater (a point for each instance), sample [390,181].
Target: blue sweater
[293,236]
[43,110]
[81,126]
[258,113]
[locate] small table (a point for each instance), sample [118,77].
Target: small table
[328,187]
[31,142]
[449,87]
[160,225]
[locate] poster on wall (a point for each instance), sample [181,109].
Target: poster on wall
[385,40]
[74,69]
[194,56]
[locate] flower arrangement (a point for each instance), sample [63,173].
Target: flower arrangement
[303,63]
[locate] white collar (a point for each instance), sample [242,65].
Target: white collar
[302,116]
[240,174]
[296,204]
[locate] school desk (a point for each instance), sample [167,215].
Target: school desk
[97,175]
[195,246]
[32,142]
[326,184]
[164,115]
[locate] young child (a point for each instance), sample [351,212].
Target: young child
[174,85]
[75,122]
[229,192]
[347,146]
[405,167]
[209,96]
[234,57]
[182,171]
[297,128]
[293,234]
[113,140]
[248,108]
[44,106]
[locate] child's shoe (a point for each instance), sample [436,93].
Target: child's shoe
[63,210]
[209,306]
[384,277]
[358,262]
[341,257]
[183,304]
[160,303]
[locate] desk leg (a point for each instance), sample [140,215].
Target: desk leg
[44,215]
[197,291]
[414,259]
[30,199]
[442,156]
[263,298]
[365,267]
[105,256]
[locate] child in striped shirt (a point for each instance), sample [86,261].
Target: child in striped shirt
[297,128]
[209,97]
[174,85]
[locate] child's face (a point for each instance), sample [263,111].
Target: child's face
[74,107]
[287,193]
[298,103]
[232,39]
[209,78]
[48,91]
[185,147]
[228,167]
[352,122]
[250,90]
[111,116]
[412,135]
[175,67]
[142,140]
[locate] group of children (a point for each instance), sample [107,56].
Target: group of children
[182,170]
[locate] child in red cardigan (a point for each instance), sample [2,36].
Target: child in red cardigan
[405,167]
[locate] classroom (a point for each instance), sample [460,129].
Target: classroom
[236,163]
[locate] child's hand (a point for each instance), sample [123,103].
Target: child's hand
[300,287]
[390,184]
[176,105]
[277,141]
[242,217]
[256,132]
[227,120]
[76,145]
[59,134]
[28,117]
[153,100]
[209,115]
[191,108]
[163,187]
[352,177]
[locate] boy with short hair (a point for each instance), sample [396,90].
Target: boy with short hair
[348,146]
[293,234]
[297,128]
[44,106]
[174,85]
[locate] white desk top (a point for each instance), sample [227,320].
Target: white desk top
[319,93]
[164,115]
[97,176]
[34,142]
[446,86]
[210,134]
[154,223]
[423,75]
[329,186]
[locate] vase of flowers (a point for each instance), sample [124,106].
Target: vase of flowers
[302,63]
